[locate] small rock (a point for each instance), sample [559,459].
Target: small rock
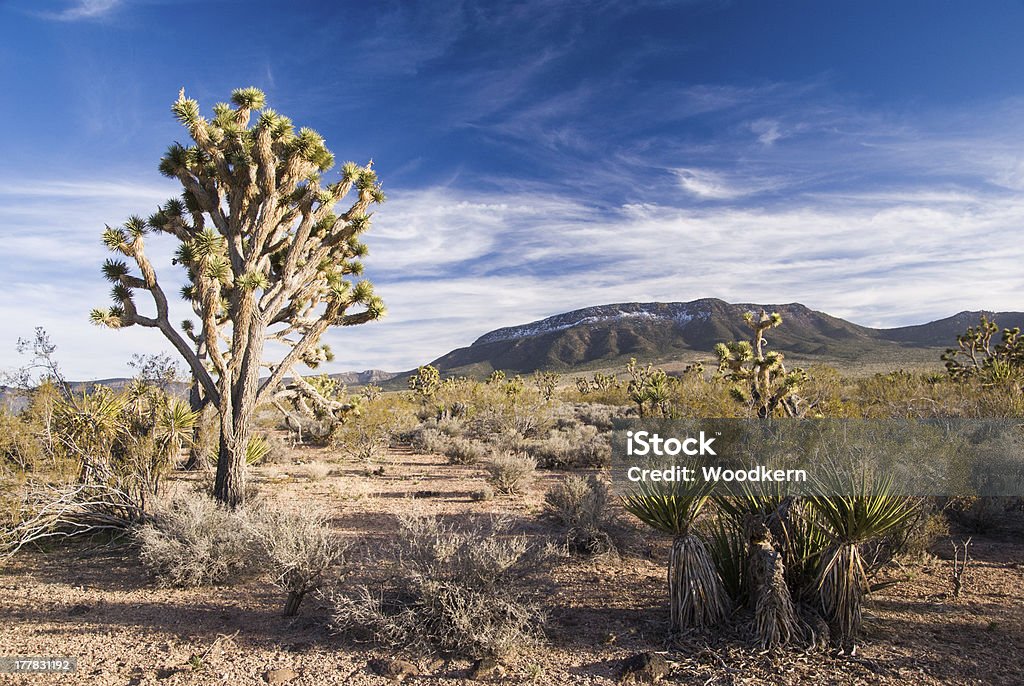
[485,668]
[643,668]
[393,668]
[279,676]
[80,609]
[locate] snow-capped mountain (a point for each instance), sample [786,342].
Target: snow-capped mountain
[660,331]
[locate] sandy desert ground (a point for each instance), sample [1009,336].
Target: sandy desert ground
[97,605]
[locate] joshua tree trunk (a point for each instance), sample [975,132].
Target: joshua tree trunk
[237,407]
[229,487]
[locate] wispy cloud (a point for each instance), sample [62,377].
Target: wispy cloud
[705,184]
[452,265]
[768,130]
[79,10]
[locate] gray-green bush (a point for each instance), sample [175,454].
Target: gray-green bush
[195,541]
[511,473]
[584,508]
[299,549]
[457,591]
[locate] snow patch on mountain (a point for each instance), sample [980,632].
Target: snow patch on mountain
[680,313]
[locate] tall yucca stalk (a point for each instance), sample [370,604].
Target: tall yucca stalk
[854,511]
[697,596]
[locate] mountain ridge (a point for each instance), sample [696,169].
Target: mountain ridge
[605,334]
[662,329]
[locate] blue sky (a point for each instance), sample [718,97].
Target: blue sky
[864,158]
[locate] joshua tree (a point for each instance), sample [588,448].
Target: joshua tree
[650,389]
[426,383]
[771,388]
[314,406]
[546,383]
[976,357]
[266,257]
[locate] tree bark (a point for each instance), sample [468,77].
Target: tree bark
[203,439]
[229,487]
[291,607]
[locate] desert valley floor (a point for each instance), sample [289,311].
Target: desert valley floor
[98,605]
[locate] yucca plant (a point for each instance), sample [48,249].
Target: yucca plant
[256,450]
[697,596]
[853,511]
[89,427]
[728,548]
[804,542]
[173,428]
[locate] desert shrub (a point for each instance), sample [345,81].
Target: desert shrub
[195,541]
[902,394]
[277,449]
[601,417]
[20,447]
[511,473]
[825,395]
[931,527]
[582,447]
[978,514]
[317,471]
[510,442]
[695,397]
[35,511]
[464,450]
[367,433]
[429,440]
[299,549]
[482,494]
[450,426]
[583,507]
[555,451]
[492,408]
[456,591]
[600,388]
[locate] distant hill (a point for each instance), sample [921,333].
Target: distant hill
[376,376]
[657,331]
[15,402]
[607,335]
